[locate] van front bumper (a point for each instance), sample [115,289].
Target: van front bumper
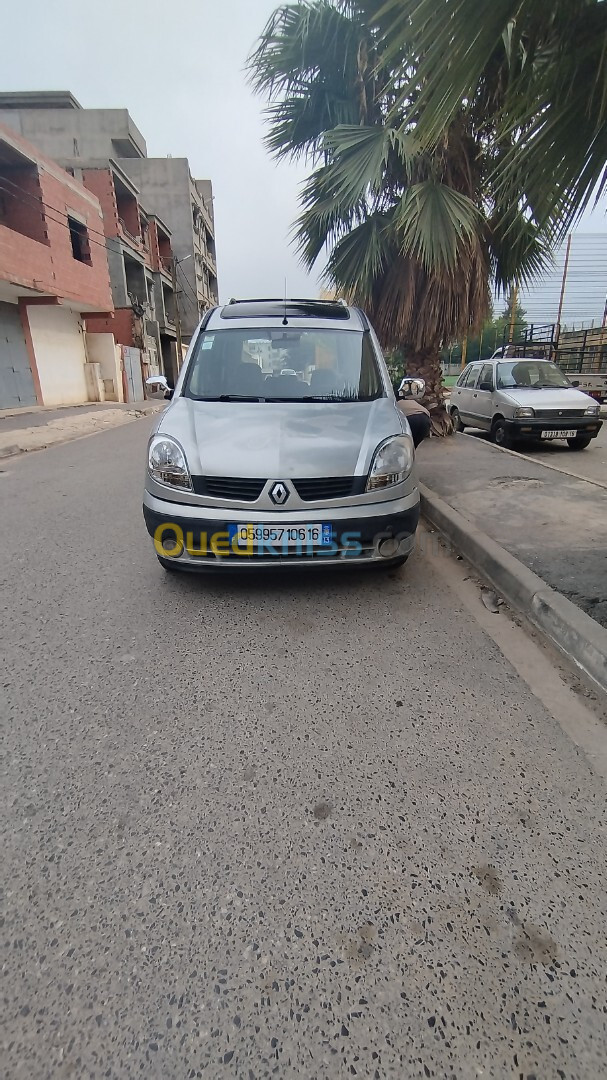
[198,537]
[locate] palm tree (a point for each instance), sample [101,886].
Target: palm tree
[547,62]
[413,236]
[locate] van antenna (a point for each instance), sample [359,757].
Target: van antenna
[285,321]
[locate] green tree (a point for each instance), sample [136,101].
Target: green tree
[493,335]
[505,321]
[412,236]
[538,66]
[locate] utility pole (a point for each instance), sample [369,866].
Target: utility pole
[513,312]
[602,337]
[464,351]
[177,314]
[562,297]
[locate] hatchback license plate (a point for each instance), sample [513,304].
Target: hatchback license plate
[559,434]
[280,536]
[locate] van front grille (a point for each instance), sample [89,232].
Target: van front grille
[240,489]
[310,489]
[317,489]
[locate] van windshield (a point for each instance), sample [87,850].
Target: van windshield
[286,364]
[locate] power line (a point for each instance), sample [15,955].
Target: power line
[187,284]
[64,224]
[38,198]
[47,206]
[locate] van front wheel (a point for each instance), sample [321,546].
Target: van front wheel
[167,564]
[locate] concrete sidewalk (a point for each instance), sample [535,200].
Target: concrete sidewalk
[39,427]
[538,535]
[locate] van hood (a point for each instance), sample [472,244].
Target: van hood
[279,440]
[566,397]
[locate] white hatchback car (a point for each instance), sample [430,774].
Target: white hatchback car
[524,398]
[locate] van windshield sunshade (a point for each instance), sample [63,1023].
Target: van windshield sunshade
[276,309]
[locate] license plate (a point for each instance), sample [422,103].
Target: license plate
[559,434]
[279,537]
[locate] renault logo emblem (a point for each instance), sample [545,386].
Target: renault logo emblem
[279,493]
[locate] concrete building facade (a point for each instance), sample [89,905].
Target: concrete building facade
[186,205]
[54,277]
[139,256]
[85,140]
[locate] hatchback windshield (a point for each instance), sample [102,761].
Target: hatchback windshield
[284,365]
[534,373]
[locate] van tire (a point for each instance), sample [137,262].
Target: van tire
[393,564]
[167,564]
[579,443]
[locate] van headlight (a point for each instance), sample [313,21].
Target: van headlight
[592,410]
[392,462]
[524,414]
[167,464]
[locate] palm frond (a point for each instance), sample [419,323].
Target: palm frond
[359,156]
[361,257]
[324,218]
[538,72]
[434,222]
[425,31]
[308,63]
[519,249]
[300,41]
[298,124]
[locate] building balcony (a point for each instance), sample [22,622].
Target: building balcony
[199,210]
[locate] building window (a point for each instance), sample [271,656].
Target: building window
[81,249]
[21,201]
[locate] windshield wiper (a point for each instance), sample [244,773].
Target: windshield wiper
[326,398]
[229,397]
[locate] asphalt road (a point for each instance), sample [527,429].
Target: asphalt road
[298,827]
[589,464]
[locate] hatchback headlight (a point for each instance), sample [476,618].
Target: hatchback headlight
[392,462]
[592,410]
[167,464]
[524,414]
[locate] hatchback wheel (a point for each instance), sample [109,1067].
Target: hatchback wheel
[457,420]
[500,435]
[579,443]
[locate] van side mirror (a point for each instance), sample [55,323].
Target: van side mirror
[157,382]
[486,386]
[411,387]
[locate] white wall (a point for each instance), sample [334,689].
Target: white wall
[102,350]
[58,340]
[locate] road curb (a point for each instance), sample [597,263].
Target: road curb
[575,633]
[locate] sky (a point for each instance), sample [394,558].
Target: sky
[178,67]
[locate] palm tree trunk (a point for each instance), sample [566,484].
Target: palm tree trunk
[426,364]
